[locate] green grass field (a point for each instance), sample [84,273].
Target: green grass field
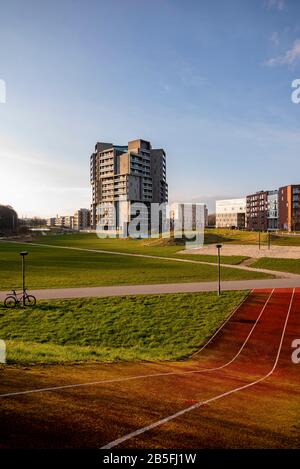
[286,240]
[219,235]
[282,265]
[156,247]
[51,267]
[153,327]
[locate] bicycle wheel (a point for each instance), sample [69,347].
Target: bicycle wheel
[29,300]
[10,302]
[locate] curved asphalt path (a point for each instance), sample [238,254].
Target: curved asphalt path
[86,292]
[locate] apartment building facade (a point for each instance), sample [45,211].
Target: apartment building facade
[79,221]
[82,219]
[231,213]
[273,210]
[262,211]
[188,216]
[64,221]
[123,175]
[289,207]
[51,222]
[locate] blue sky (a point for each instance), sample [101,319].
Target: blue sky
[209,81]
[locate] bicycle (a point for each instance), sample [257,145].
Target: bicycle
[12,300]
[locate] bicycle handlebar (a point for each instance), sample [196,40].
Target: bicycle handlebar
[16,294]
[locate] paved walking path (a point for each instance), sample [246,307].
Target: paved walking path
[56,293]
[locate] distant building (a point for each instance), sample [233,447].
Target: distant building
[8,219]
[289,207]
[79,221]
[82,219]
[211,220]
[51,221]
[122,175]
[231,213]
[262,211]
[205,216]
[272,210]
[189,215]
[65,221]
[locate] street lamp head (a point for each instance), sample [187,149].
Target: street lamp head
[23,253]
[219,246]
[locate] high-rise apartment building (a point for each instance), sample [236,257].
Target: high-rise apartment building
[289,207]
[230,213]
[262,211]
[122,175]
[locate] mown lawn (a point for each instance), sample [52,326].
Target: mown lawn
[283,265]
[49,267]
[286,240]
[154,247]
[167,247]
[151,327]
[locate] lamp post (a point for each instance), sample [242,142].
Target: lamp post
[259,240]
[218,246]
[269,240]
[23,254]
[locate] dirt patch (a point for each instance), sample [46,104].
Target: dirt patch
[250,251]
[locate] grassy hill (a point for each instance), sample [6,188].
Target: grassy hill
[153,327]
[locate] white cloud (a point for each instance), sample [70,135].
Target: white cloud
[275,38]
[278,4]
[290,56]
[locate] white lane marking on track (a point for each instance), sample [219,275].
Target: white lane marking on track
[140,431]
[153,375]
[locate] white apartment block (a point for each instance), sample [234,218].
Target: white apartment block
[231,213]
[189,215]
[64,221]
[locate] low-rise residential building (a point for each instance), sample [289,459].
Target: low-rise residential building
[256,211]
[231,213]
[82,219]
[65,221]
[289,207]
[262,211]
[51,221]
